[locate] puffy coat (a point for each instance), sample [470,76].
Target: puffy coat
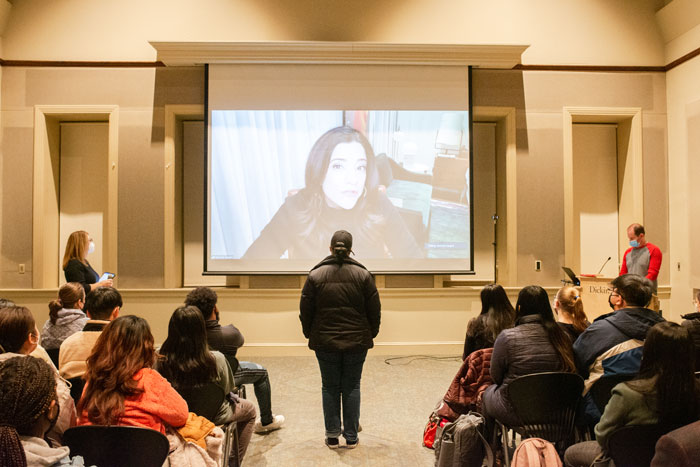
[340,308]
[518,351]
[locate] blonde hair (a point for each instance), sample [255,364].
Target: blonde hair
[76,247]
[570,302]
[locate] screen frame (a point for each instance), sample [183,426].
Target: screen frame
[206,186]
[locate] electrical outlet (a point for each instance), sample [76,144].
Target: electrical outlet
[538,265]
[21,269]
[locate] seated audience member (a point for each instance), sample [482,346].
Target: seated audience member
[102,305]
[5,303]
[692,322]
[19,337]
[122,388]
[227,340]
[66,316]
[666,393]
[568,307]
[188,363]
[536,344]
[496,315]
[28,408]
[613,343]
[679,448]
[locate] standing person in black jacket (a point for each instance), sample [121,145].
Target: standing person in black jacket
[340,313]
[75,263]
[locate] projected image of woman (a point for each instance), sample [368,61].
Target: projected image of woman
[342,192]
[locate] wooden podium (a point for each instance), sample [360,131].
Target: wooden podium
[594,293]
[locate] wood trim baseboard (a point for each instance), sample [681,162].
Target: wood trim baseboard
[520,66]
[79,64]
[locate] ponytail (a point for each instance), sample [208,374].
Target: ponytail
[570,300]
[340,252]
[68,296]
[54,307]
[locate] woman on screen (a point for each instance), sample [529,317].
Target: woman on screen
[342,191]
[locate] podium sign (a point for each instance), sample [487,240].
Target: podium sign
[594,293]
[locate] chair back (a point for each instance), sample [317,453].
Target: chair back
[601,391]
[117,446]
[633,446]
[546,405]
[53,355]
[204,400]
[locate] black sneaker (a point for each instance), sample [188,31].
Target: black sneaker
[350,445]
[332,443]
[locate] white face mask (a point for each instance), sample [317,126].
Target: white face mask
[91,248]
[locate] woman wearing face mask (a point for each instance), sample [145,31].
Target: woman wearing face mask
[66,317]
[75,264]
[342,192]
[18,338]
[28,410]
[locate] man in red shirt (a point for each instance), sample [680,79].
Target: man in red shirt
[642,258]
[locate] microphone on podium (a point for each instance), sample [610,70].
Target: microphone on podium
[606,262]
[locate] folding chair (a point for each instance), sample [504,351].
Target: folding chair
[545,403]
[633,446]
[206,400]
[117,446]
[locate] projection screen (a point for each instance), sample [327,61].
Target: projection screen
[296,152]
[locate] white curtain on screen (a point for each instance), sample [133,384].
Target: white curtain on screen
[257,158]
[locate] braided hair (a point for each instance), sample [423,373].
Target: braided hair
[27,388]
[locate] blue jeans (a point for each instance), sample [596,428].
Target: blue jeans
[340,378]
[252,373]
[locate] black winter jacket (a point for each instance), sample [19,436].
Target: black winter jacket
[340,308]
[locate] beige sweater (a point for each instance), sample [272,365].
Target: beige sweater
[75,350]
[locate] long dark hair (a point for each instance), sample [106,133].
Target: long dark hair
[186,360]
[533,300]
[497,308]
[497,314]
[124,347]
[27,388]
[68,296]
[315,174]
[668,372]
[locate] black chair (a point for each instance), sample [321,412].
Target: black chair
[77,385]
[206,400]
[601,391]
[633,446]
[546,405]
[53,354]
[117,446]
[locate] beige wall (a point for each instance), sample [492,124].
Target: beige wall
[597,32]
[590,32]
[539,98]
[141,95]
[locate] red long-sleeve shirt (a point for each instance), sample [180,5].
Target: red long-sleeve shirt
[642,264]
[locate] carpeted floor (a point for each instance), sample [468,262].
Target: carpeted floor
[396,401]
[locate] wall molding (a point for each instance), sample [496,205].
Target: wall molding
[336,52]
[46,254]
[631,199]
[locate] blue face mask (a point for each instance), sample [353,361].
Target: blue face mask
[634,243]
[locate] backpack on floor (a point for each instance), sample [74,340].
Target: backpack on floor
[461,443]
[536,452]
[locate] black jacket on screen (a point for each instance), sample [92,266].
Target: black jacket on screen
[340,308]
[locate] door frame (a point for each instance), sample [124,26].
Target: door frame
[46,254]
